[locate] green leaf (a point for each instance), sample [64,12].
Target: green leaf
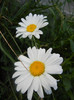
[68,1]
[7,68]
[5,51]
[67,84]
[72,45]
[12,38]
[52,11]
[71,95]
[22,10]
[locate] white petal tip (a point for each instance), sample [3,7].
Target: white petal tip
[13,76]
[61,71]
[55,88]
[20,56]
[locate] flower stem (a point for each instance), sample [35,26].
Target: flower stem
[12,49]
[53,96]
[7,19]
[8,44]
[34,41]
[12,38]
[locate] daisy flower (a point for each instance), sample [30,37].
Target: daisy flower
[31,25]
[41,65]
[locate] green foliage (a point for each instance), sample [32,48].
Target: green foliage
[72,45]
[59,35]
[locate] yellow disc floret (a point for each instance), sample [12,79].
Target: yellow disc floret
[37,68]
[31,27]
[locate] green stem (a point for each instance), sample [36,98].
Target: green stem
[53,96]
[21,98]
[61,15]
[34,41]
[6,53]
[7,19]
[12,37]
[67,59]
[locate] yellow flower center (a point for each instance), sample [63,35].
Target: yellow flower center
[37,68]
[31,28]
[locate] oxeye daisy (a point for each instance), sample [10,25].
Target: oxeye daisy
[30,26]
[41,65]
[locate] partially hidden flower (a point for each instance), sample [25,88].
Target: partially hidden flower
[30,26]
[41,65]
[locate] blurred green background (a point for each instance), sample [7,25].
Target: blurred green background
[59,35]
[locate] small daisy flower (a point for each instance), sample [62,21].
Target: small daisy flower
[41,65]
[31,25]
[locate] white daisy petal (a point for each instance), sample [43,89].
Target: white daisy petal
[18,64]
[54,69]
[27,84]
[24,21]
[37,36]
[58,61]
[24,59]
[23,36]
[40,32]
[36,83]
[35,52]
[31,25]
[24,85]
[19,68]
[44,24]
[22,24]
[45,17]
[37,32]
[41,53]
[31,54]
[22,65]
[48,91]
[47,54]
[30,36]
[40,64]
[52,58]
[40,91]
[30,14]
[44,82]
[17,74]
[20,30]
[22,77]
[30,92]
[52,81]
[19,34]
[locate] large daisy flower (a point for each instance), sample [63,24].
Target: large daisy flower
[31,25]
[40,66]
